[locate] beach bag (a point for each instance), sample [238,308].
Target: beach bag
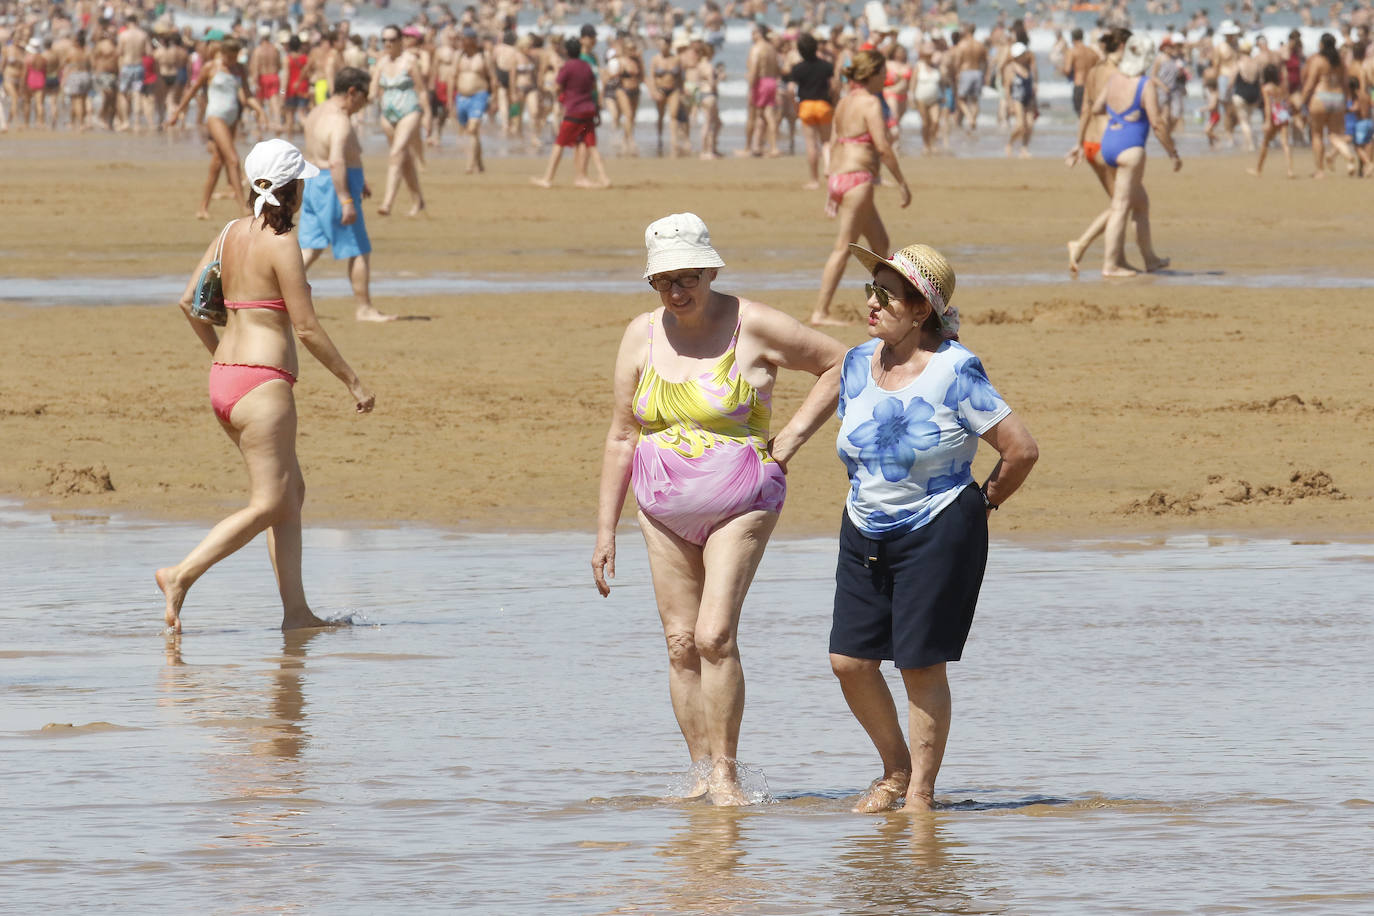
[208,304]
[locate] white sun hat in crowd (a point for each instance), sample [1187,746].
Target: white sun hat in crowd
[1139,54]
[678,242]
[272,164]
[1229,27]
[1018,49]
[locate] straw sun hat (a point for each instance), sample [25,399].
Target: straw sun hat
[928,271]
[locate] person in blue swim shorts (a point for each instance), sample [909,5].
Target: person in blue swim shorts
[474,80]
[331,211]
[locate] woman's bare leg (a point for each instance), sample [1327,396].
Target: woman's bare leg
[731,557]
[855,214]
[871,702]
[928,709]
[263,425]
[1140,215]
[399,142]
[211,179]
[222,135]
[1129,166]
[284,549]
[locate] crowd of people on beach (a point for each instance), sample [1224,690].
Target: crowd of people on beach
[132,67]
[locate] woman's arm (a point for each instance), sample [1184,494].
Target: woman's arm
[204,330]
[620,450]
[374,89]
[1310,78]
[877,129]
[418,77]
[289,268]
[191,91]
[789,344]
[1018,452]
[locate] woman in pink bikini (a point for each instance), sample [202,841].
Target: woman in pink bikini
[859,147]
[252,374]
[690,432]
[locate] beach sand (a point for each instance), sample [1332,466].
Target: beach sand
[1159,405]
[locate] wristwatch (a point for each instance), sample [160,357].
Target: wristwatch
[987,503]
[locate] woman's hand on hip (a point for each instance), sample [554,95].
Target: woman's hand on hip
[603,563]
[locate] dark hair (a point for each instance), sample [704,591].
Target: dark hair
[293,44]
[572,47]
[913,296]
[1271,74]
[807,45]
[1018,29]
[508,36]
[352,78]
[280,217]
[1357,50]
[588,31]
[1115,38]
[395,28]
[1076,34]
[1328,49]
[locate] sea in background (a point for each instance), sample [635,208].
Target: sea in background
[1160,725]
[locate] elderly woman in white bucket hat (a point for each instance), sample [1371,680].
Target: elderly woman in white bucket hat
[914,537]
[690,432]
[266,298]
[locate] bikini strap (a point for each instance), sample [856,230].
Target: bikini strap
[739,323]
[219,246]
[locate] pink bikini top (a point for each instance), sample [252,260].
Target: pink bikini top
[276,305]
[861,138]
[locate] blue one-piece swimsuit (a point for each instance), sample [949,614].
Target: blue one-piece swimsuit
[1121,134]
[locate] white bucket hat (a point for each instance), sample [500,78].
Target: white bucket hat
[270,165]
[1229,27]
[1138,55]
[678,242]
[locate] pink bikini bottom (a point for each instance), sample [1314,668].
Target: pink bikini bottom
[693,497]
[229,382]
[840,185]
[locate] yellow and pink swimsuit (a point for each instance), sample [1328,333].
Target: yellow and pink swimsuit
[702,455]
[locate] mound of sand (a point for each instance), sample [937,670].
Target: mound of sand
[1222,492]
[66,480]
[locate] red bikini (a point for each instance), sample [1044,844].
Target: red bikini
[229,382]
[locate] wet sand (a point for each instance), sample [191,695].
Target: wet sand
[1158,405]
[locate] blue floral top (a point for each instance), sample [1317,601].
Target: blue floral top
[909,452]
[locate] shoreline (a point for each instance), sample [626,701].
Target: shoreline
[1161,408]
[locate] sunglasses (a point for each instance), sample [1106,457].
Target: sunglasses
[687,281]
[883,296]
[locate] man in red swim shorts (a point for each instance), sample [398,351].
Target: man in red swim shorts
[264,70]
[577,93]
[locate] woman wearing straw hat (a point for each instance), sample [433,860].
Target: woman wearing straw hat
[859,148]
[254,369]
[914,535]
[1131,113]
[708,480]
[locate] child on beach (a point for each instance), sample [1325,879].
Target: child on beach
[1276,120]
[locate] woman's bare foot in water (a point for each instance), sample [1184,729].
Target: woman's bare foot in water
[825,319]
[1074,254]
[304,618]
[723,784]
[1154,264]
[418,208]
[370,313]
[882,794]
[175,595]
[1119,271]
[919,802]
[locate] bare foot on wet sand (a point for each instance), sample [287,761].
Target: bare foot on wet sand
[417,209]
[824,319]
[1156,264]
[370,313]
[882,794]
[1119,272]
[1074,255]
[174,594]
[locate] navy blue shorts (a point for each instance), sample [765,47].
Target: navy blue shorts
[910,598]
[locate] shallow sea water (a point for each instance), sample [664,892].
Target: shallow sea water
[1180,726]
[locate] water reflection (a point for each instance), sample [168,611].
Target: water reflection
[259,729]
[708,852]
[907,863]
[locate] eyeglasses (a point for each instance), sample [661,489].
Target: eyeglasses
[686,281]
[883,296]
[391,38]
